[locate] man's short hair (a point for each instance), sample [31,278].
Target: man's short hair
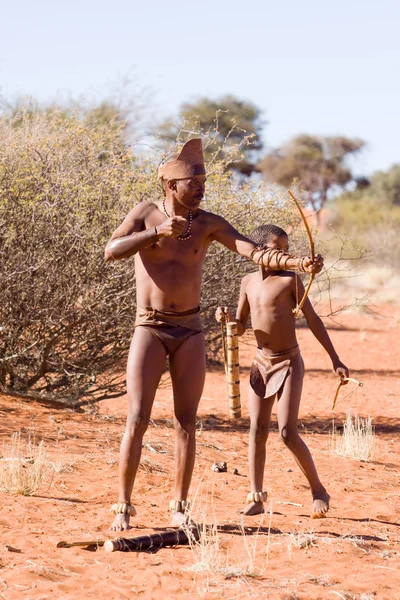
[264,234]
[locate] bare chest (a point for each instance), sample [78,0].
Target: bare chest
[271,293]
[188,251]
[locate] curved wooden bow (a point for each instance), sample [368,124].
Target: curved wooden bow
[342,382]
[299,306]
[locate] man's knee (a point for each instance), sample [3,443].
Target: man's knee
[185,427]
[259,432]
[289,436]
[136,424]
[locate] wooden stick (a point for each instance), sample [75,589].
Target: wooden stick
[82,543]
[233,371]
[152,542]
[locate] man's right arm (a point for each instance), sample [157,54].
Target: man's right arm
[132,236]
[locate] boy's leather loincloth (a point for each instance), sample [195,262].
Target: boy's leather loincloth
[171,328]
[268,373]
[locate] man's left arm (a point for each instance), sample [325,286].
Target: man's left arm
[276,260]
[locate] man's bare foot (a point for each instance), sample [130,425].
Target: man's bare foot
[320,505]
[120,523]
[254,508]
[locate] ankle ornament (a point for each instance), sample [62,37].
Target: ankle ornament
[123,508]
[179,505]
[257,497]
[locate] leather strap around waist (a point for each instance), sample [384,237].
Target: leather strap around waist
[152,312]
[275,359]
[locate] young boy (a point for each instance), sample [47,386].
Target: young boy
[278,368]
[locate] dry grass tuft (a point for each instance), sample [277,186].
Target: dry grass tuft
[149,465]
[24,465]
[206,550]
[212,559]
[302,540]
[63,465]
[358,440]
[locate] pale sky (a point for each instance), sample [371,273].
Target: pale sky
[312,67]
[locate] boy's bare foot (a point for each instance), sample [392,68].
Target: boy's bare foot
[120,523]
[254,508]
[320,505]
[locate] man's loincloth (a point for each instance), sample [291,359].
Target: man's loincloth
[268,373]
[171,328]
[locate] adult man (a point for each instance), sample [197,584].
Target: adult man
[170,239]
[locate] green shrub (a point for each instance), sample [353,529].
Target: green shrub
[67,316]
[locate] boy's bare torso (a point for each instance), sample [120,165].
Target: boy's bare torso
[271,297]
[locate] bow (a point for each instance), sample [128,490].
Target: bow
[342,382]
[300,304]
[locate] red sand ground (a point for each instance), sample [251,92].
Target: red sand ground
[354,553]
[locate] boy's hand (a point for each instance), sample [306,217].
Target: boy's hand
[341,370]
[222,314]
[313,266]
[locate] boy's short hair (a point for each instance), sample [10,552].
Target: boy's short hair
[264,234]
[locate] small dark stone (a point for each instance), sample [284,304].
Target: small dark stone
[11,548]
[235,471]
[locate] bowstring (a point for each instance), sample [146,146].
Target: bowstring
[343,398]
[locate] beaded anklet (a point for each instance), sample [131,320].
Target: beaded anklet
[123,508]
[257,497]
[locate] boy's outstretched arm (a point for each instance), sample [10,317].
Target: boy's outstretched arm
[318,329]
[223,314]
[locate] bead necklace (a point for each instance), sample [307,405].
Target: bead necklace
[187,235]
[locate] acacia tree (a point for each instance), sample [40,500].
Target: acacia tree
[385,186]
[318,163]
[225,122]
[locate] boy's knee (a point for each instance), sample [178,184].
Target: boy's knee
[289,436]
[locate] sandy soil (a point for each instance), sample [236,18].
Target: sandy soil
[354,553]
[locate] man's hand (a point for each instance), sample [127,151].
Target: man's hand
[341,370]
[172,227]
[222,314]
[313,266]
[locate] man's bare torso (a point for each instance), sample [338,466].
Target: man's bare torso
[169,272]
[271,301]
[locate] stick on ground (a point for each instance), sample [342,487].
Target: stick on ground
[82,543]
[152,542]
